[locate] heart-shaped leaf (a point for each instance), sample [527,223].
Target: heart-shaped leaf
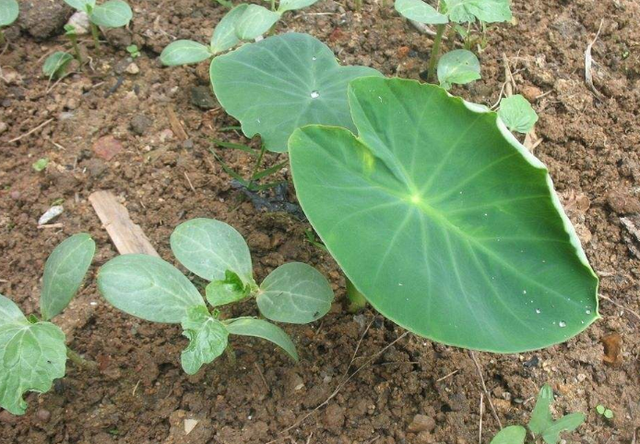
[184,52]
[262,329]
[290,5]
[81,5]
[254,21]
[420,12]
[444,221]
[542,423]
[224,36]
[112,14]
[517,113]
[148,287]
[489,11]
[281,83]
[208,338]
[510,435]
[458,67]
[32,355]
[210,248]
[63,273]
[296,293]
[9,11]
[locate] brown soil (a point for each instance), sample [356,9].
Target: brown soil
[140,395]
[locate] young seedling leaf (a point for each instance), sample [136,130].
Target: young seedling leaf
[296,293]
[510,435]
[420,12]
[255,21]
[444,221]
[40,164]
[265,330]
[148,287]
[600,409]
[32,355]
[567,423]
[281,83]
[112,14]
[224,36]
[64,272]
[290,5]
[517,114]
[81,5]
[458,67]
[184,52]
[541,418]
[489,11]
[228,290]
[208,338]
[55,65]
[9,11]
[209,248]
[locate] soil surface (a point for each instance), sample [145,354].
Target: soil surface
[109,127]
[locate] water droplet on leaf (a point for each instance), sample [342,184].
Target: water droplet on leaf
[315,94]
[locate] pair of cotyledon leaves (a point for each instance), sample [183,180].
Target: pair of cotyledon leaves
[152,289]
[243,23]
[110,14]
[33,352]
[435,212]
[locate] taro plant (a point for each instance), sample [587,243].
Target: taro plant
[110,14]
[32,349]
[9,10]
[244,22]
[462,67]
[443,220]
[152,289]
[517,114]
[541,423]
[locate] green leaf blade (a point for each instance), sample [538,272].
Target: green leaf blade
[295,293]
[112,14]
[420,12]
[291,5]
[10,312]
[265,330]
[64,272]
[541,416]
[567,423]
[230,289]
[208,339]
[489,11]
[9,11]
[458,67]
[184,52]
[517,114]
[56,64]
[224,35]
[81,5]
[281,83]
[148,287]
[445,223]
[254,21]
[510,435]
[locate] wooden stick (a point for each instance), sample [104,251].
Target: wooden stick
[32,131]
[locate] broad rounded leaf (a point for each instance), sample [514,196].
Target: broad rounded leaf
[112,14]
[284,82]
[208,338]
[420,12]
[148,287]
[510,435]
[31,357]
[64,272]
[10,312]
[458,67]
[444,221]
[184,52]
[255,21]
[55,65]
[290,5]
[209,248]
[567,423]
[262,329]
[9,11]
[517,114]
[489,11]
[296,293]
[81,5]
[224,36]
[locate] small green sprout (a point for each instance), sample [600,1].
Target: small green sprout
[9,10]
[32,350]
[152,289]
[55,66]
[110,14]
[40,164]
[459,66]
[602,410]
[517,114]
[133,51]
[72,33]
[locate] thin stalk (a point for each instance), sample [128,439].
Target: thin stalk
[78,360]
[2,39]
[273,5]
[357,302]
[231,355]
[95,33]
[257,165]
[74,43]
[435,53]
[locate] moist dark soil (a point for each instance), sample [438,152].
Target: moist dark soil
[410,391]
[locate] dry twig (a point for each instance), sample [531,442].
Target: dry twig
[588,60]
[484,388]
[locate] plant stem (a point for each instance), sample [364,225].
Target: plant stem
[257,166]
[273,5]
[2,39]
[74,42]
[435,53]
[357,302]
[96,36]
[231,354]
[80,361]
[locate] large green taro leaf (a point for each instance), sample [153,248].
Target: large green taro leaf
[444,222]
[282,83]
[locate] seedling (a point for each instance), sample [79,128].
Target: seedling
[55,66]
[9,11]
[110,14]
[458,67]
[453,13]
[602,410]
[71,32]
[517,114]
[243,23]
[541,423]
[32,350]
[40,164]
[133,51]
[152,289]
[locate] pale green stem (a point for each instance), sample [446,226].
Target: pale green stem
[435,53]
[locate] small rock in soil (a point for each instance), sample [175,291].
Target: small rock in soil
[623,203]
[3,127]
[80,21]
[202,98]
[140,124]
[132,69]
[422,423]
[43,415]
[119,37]
[51,214]
[107,147]
[95,167]
[43,18]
